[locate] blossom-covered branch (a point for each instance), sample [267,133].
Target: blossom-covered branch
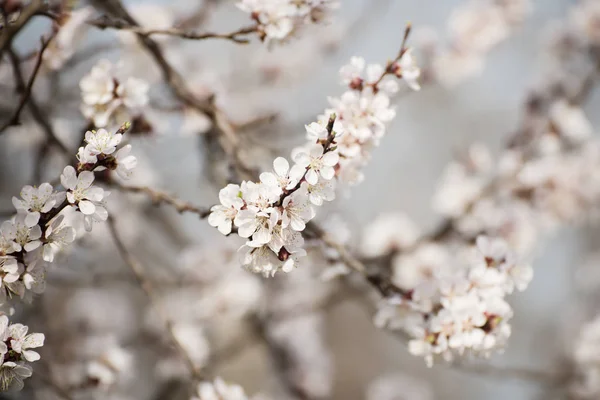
[43,225]
[272,213]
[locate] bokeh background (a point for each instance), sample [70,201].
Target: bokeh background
[431,128]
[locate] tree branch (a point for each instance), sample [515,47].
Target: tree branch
[159,197]
[9,31]
[15,119]
[36,111]
[106,22]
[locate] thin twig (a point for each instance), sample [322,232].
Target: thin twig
[106,22]
[221,124]
[36,111]
[159,197]
[15,119]
[138,271]
[9,31]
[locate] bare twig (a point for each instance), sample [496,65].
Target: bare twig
[159,197]
[138,271]
[9,31]
[15,119]
[36,111]
[106,22]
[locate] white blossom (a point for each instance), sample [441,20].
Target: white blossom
[317,163]
[70,34]
[222,215]
[57,236]
[24,231]
[282,177]
[106,97]
[219,390]
[409,70]
[36,200]
[297,210]
[125,162]
[102,141]
[22,343]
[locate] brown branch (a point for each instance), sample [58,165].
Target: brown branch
[159,197]
[221,125]
[15,119]
[9,31]
[138,271]
[36,111]
[106,22]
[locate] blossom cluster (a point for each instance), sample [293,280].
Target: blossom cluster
[457,305]
[538,186]
[272,213]
[16,353]
[278,20]
[37,232]
[72,32]
[586,360]
[474,28]
[109,100]
[30,240]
